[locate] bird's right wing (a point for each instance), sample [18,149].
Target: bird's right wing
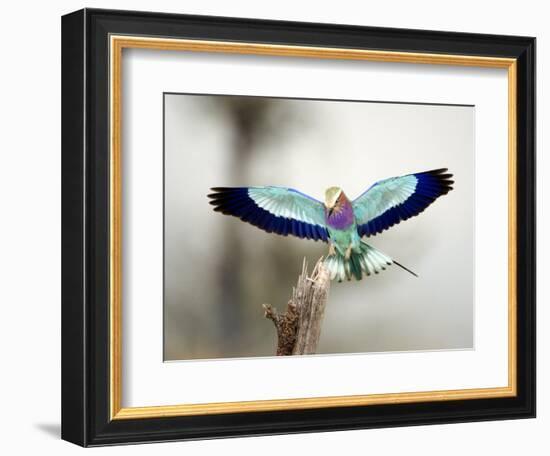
[273,209]
[392,200]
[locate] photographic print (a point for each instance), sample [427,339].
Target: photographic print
[274,227]
[348,224]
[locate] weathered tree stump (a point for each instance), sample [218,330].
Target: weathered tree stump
[299,327]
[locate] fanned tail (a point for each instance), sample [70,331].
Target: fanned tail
[368,261]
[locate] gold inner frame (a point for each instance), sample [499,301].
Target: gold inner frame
[117,44]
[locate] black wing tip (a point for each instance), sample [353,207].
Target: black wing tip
[441,173]
[224,192]
[226,189]
[437,171]
[444,178]
[216,196]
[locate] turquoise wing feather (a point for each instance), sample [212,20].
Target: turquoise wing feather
[274,209]
[393,200]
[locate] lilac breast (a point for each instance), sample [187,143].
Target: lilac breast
[341,217]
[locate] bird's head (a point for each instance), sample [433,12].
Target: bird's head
[331,197]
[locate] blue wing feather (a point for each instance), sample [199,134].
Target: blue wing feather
[393,200]
[277,210]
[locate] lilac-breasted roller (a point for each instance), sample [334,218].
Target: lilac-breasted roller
[339,221]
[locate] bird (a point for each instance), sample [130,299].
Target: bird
[338,221]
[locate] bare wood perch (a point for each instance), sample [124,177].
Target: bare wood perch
[299,327]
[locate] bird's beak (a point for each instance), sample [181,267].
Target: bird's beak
[331,199]
[330,205]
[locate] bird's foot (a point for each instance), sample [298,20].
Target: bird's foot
[331,250]
[348,253]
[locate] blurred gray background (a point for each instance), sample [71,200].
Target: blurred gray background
[219,270]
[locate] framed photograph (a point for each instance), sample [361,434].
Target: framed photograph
[276,227]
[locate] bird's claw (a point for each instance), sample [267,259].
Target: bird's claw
[348,253]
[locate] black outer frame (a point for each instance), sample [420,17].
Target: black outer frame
[85,227]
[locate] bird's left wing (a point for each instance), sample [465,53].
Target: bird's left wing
[395,199]
[273,209]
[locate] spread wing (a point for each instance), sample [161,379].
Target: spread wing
[392,200]
[273,209]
